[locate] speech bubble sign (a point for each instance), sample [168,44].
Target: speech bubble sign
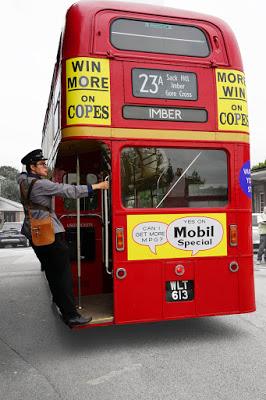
[150,234]
[195,233]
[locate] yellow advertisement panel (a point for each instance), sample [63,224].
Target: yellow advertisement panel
[176,236]
[232,100]
[88,91]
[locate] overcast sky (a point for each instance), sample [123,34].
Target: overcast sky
[30,30]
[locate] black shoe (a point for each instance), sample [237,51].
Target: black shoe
[77,320]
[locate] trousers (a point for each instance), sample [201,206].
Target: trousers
[55,262]
[262,248]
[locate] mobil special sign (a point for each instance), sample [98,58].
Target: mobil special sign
[88,91]
[176,236]
[231,100]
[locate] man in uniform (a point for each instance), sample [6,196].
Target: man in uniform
[54,257]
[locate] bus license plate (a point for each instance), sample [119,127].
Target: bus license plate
[179,290]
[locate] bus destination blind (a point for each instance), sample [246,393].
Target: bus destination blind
[165,114]
[161,84]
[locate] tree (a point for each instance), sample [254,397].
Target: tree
[258,166]
[9,172]
[9,186]
[9,190]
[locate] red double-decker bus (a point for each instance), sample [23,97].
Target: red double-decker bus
[153,99]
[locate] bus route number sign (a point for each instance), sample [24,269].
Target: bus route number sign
[179,290]
[161,84]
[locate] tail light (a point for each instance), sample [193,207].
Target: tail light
[119,239]
[233,235]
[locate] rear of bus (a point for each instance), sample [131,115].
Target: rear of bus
[159,96]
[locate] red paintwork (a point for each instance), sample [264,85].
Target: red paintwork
[217,290]
[83,19]
[140,297]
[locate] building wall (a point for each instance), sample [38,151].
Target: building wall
[258,196]
[10,211]
[258,179]
[11,216]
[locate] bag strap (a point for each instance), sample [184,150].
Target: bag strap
[30,189]
[25,198]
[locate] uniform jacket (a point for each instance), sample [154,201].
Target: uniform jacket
[43,192]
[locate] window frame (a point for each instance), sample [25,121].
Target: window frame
[85,200]
[187,208]
[161,23]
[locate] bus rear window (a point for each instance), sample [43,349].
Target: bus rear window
[155,177]
[154,37]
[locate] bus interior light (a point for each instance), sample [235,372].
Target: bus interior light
[233,235]
[120,242]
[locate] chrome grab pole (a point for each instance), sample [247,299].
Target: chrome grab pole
[78,238]
[106,229]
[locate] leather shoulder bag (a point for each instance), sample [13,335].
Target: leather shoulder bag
[42,229]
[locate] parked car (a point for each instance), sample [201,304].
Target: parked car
[10,235]
[255,232]
[12,225]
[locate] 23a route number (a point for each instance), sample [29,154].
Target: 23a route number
[150,83]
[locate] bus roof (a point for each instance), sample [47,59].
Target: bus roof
[92,7]
[83,13]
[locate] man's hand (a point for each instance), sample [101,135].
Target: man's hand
[104,185]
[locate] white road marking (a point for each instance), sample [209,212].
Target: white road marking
[114,374]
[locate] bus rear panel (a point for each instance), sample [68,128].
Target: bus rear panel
[153,99]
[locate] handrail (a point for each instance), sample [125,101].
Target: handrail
[78,239]
[106,229]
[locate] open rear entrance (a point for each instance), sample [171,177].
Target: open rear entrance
[88,226]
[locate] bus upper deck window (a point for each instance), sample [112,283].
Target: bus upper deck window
[154,37]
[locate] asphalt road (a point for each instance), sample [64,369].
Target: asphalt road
[221,358]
